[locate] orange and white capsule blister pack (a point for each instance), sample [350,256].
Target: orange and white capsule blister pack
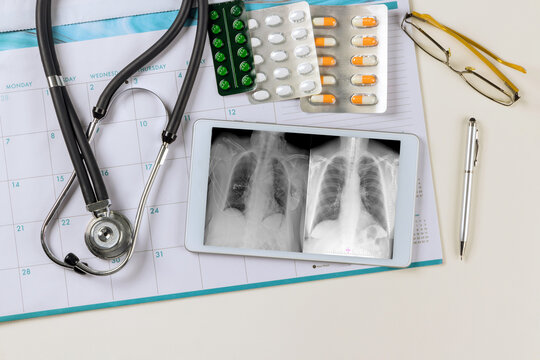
[352,53]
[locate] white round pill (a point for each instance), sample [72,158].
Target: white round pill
[273,20]
[301,51]
[299,33]
[307,86]
[252,24]
[255,42]
[297,16]
[260,77]
[278,55]
[276,38]
[284,90]
[281,73]
[261,95]
[304,68]
[258,59]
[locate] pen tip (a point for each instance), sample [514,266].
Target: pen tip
[461,257]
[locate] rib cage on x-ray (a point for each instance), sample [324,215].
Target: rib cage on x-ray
[351,199]
[256,194]
[335,195]
[239,187]
[371,190]
[240,180]
[331,189]
[280,187]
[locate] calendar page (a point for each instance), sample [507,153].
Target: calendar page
[34,167]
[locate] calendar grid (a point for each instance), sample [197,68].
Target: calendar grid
[51,130]
[12,220]
[146,206]
[123,148]
[101,168]
[55,224]
[141,163]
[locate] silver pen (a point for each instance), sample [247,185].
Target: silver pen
[470,163]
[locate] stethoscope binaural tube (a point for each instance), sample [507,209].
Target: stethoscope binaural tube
[51,67]
[82,157]
[105,99]
[169,134]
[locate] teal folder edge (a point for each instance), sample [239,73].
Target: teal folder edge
[211,291]
[129,25]
[144,23]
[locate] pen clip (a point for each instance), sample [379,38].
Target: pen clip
[477,145]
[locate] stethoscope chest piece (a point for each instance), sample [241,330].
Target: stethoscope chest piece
[109,236]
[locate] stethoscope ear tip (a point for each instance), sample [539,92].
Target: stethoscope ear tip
[72,260]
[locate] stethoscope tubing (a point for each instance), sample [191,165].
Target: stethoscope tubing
[84,161]
[80,152]
[64,195]
[92,127]
[105,99]
[169,134]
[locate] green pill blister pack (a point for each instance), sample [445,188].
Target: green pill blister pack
[231,48]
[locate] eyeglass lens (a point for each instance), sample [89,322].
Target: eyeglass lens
[474,71]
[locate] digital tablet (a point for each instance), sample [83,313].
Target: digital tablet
[305,193]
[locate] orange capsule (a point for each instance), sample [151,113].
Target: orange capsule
[326,61]
[363,99]
[328,80]
[364,41]
[327,99]
[364,60]
[364,21]
[325,42]
[359,79]
[326,21]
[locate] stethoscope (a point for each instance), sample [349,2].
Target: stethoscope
[109,234]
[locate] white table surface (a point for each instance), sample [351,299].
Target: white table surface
[487,307]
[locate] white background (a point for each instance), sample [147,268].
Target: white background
[486,307]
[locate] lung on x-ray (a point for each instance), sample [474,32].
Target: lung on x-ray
[302,193]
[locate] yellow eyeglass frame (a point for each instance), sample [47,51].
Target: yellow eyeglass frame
[473,47]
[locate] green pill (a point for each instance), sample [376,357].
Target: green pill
[220,57]
[224,84]
[218,42]
[247,80]
[222,70]
[242,52]
[240,39]
[227,29]
[236,10]
[238,24]
[244,66]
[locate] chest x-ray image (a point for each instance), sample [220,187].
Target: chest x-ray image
[256,190]
[301,193]
[351,197]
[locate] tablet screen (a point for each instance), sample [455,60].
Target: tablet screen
[305,193]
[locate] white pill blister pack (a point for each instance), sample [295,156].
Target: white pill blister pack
[352,49]
[284,53]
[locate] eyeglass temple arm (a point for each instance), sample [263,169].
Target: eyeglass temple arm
[432,21]
[468,42]
[475,44]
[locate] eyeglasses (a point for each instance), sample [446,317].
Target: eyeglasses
[482,75]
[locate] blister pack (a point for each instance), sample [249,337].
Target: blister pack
[352,49]
[231,47]
[284,53]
